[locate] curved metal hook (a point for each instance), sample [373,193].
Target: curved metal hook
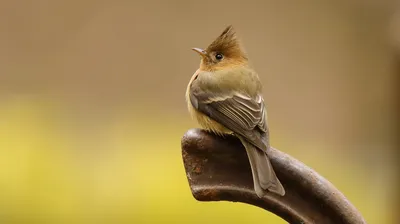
[218,169]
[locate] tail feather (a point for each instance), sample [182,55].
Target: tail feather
[264,176]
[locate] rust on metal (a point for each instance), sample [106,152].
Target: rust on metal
[218,169]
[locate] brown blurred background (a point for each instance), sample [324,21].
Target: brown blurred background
[92,104]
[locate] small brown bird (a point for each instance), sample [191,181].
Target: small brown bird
[225,97]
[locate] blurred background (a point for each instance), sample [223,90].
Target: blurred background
[92,106]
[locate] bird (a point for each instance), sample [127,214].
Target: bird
[224,96]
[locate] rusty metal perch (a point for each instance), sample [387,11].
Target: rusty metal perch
[217,169]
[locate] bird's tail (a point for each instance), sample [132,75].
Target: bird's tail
[264,176]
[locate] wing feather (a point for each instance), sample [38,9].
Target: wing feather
[240,113]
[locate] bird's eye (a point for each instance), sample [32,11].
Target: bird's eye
[219,56]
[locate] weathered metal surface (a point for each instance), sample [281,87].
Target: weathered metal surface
[218,169]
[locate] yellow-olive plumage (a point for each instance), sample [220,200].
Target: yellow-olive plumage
[225,97]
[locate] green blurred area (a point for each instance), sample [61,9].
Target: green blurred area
[92,106]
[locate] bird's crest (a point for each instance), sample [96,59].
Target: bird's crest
[227,43]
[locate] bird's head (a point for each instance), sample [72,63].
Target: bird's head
[224,52]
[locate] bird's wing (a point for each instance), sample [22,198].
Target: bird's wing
[240,113]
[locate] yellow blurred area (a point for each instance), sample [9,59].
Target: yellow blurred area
[139,179]
[92,106]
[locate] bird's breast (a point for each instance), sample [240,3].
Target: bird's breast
[204,121]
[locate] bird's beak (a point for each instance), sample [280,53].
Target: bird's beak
[200,51]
